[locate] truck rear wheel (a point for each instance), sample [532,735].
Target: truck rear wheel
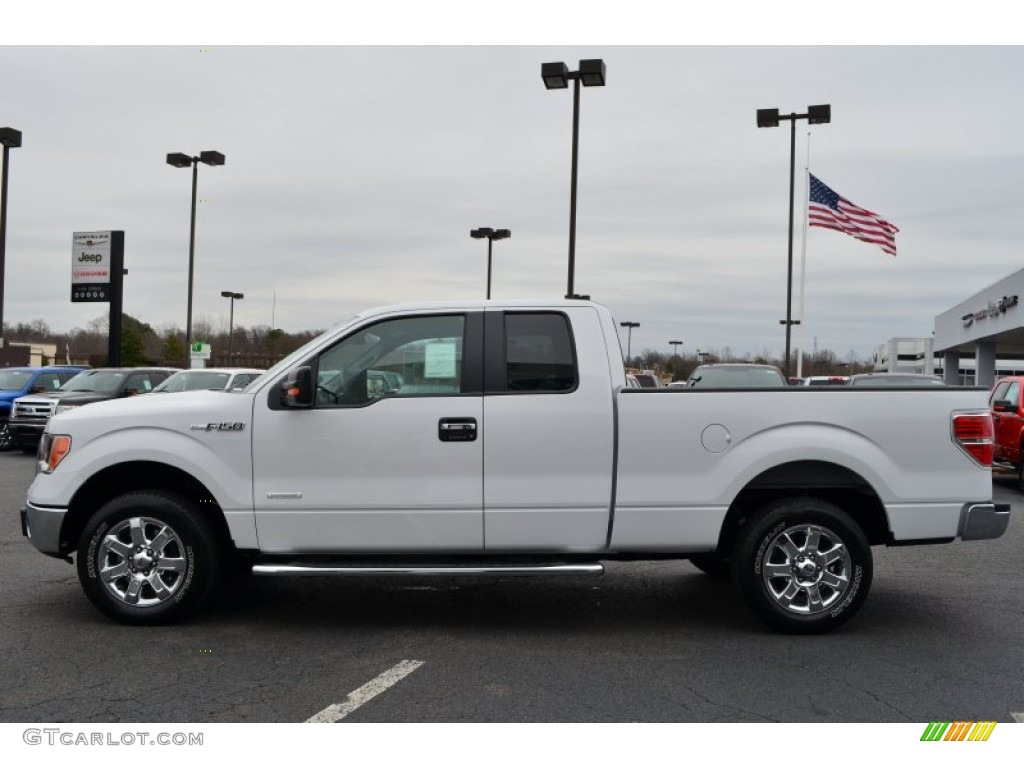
[803,565]
[148,558]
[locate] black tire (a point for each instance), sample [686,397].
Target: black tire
[1020,474]
[803,565]
[6,442]
[161,558]
[714,566]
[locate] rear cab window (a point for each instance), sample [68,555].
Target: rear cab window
[539,353]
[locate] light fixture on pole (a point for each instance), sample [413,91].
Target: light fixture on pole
[556,76]
[629,326]
[491,235]
[231,322]
[9,137]
[769,118]
[181,160]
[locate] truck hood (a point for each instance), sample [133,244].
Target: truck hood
[179,411]
[74,398]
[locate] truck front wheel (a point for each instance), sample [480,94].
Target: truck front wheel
[147,558]
[803,565]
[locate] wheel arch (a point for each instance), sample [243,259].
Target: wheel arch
[131,476]
[826,480]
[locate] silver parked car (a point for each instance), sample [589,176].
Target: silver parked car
[208,378]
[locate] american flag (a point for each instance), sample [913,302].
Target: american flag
[828,209]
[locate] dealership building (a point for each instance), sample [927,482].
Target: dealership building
[974,343]
[983,335]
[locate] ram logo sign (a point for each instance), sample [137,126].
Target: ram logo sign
[958,731]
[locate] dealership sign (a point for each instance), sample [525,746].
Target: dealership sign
[994,309]
[91,264]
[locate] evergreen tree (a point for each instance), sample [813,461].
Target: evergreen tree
[174,350]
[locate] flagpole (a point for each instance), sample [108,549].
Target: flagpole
[803,262]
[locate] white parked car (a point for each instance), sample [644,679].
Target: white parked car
[648,380]
[208,378]
[736,376]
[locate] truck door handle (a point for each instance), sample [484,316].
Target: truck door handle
[456,430]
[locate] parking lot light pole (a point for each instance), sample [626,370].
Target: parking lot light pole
[629,326]
[556,76]
[231,322]
[181,160]
[769,118]
[491,235]
[675,349]
[9,137]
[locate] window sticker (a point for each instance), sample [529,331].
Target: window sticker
[439,360]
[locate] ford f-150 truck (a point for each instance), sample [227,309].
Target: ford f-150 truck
[30,413]
[511,445]
[15,382]
[1008,423]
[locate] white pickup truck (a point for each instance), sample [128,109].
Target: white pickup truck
[480,437]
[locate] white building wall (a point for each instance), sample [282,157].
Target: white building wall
[906,355]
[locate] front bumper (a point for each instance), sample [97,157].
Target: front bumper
[42,525]
[25,433]
[983,521]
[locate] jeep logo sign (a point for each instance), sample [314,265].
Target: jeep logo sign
[90,266]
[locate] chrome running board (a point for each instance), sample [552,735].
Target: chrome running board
[284,569]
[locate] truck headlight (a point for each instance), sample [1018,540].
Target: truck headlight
[52,450]
[64,409]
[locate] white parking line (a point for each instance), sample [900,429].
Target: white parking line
[360,696]
[1018,716]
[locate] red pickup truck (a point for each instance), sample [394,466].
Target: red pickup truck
[1008,423]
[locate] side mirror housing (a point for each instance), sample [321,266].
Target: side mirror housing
[296,390]
[1002,405]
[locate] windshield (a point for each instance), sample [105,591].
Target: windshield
[183,381]
[107,382]
[14,380]
[740,377]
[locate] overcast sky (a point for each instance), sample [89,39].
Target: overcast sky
[354,175]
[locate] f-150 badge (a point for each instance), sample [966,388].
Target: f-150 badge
[219,426]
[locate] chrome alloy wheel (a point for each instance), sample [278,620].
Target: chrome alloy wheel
[806,569]
[141,561]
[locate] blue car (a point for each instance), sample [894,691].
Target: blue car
[15,382]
